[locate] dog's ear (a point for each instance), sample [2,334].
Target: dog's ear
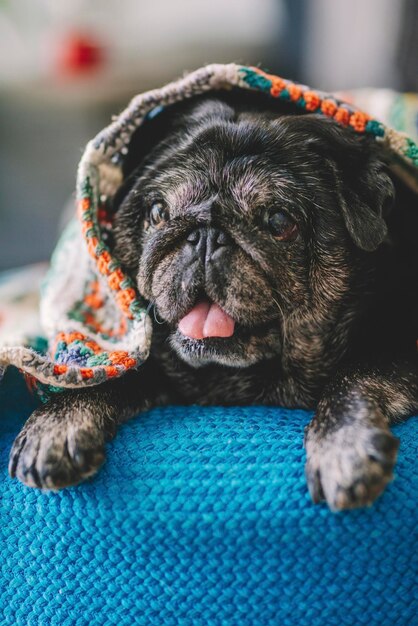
[365,190]
[365,202]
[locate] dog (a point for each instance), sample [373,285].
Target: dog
[275,252]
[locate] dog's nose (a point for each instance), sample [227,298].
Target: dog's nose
[207,240]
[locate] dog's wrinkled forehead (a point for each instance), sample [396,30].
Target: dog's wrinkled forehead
[221,155]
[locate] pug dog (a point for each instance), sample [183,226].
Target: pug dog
[277,255]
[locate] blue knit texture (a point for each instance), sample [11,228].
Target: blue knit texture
[201,517]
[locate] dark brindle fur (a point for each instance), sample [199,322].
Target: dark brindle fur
[327,319]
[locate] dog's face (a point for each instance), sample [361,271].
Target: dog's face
[247,229]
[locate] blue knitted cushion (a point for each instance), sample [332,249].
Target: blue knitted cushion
[201,517]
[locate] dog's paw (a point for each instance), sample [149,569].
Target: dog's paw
[51,453]
[351,466]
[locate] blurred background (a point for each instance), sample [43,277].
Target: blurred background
[67,65]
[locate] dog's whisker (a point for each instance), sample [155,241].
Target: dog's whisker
[283,321]
[152,307]
[156,316]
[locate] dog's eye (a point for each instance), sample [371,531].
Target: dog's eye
[282,226]
[158,214]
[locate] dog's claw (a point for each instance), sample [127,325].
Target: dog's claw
[15,452]
[314,484]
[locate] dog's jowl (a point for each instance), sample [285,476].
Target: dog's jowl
[272,249]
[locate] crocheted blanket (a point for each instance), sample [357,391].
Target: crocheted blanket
[94,321]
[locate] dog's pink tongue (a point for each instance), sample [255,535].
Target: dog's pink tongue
[206,319]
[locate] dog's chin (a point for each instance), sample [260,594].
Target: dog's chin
[246,347]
